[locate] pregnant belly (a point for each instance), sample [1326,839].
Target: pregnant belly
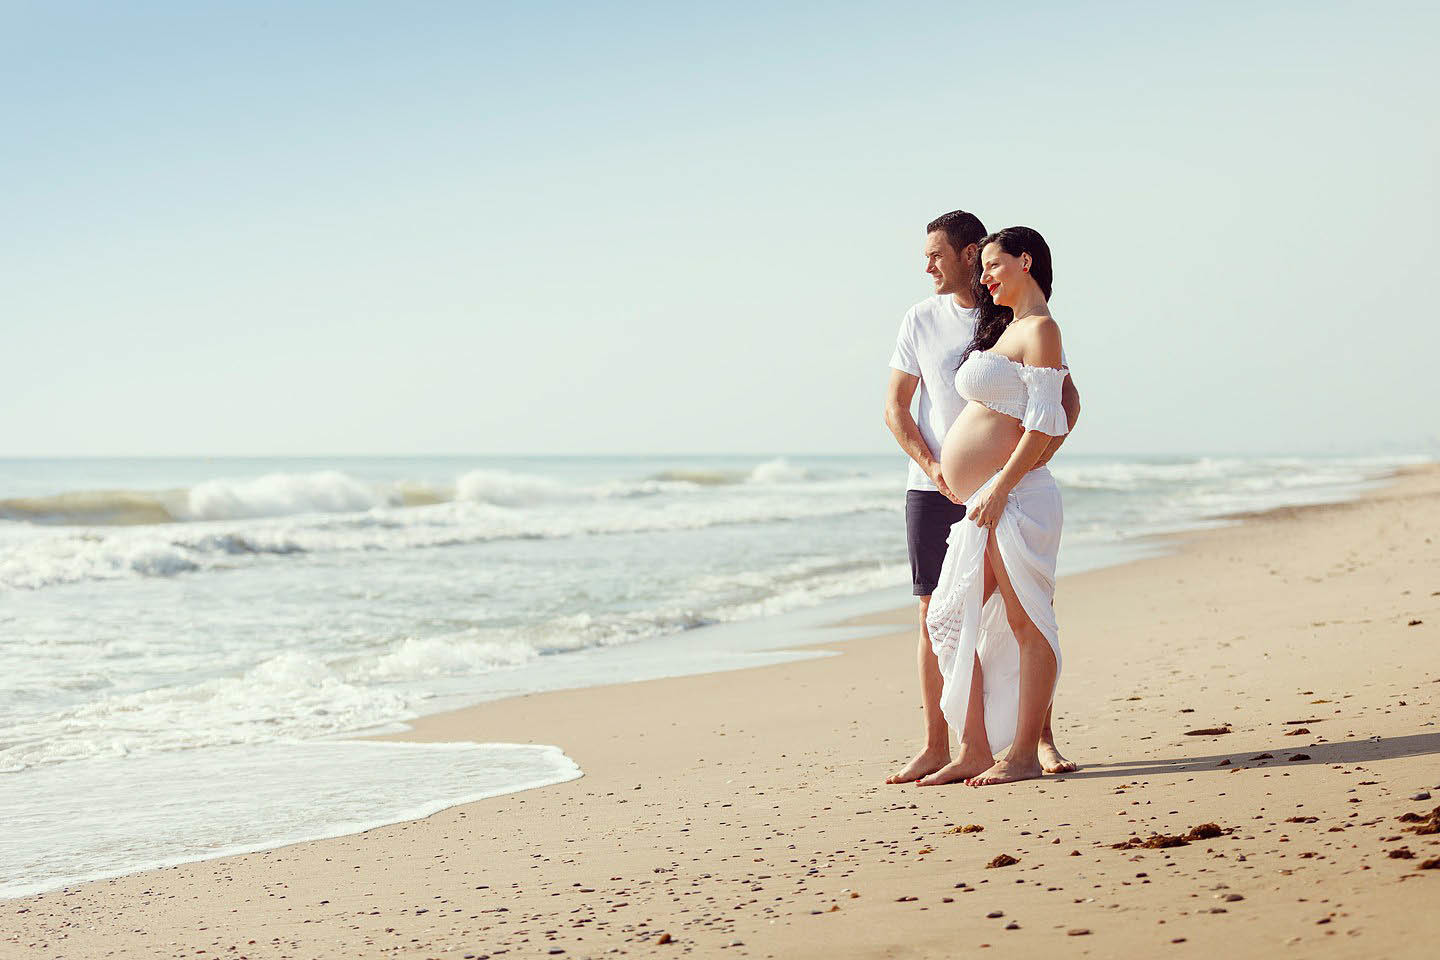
[978,444]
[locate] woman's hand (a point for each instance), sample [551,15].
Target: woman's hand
[988,507]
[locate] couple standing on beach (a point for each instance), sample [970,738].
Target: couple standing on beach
[982,511]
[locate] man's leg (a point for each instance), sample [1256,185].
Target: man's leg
[975,756]
[929,515]
[935,753]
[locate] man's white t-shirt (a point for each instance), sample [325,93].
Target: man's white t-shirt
[933,335]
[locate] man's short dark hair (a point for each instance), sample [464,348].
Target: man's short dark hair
[959,227]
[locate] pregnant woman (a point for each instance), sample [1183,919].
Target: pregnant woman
[991,621]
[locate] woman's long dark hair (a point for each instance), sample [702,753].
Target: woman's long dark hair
[993,317]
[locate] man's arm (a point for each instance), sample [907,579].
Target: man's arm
[1070,400]
[898,394]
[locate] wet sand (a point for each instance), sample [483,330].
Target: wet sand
[1276,679]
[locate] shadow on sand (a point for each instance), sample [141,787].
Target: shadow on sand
[1344,751]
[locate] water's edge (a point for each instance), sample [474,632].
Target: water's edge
[762,641]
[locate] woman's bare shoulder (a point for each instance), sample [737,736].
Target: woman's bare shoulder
[1040,339]
[1036,321]
[1037,328]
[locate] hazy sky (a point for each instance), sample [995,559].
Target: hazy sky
[303,227]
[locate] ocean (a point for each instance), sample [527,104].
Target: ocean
[173,627]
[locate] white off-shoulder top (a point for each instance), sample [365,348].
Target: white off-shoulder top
[1029,394]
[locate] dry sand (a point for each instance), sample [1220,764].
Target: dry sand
[744,814]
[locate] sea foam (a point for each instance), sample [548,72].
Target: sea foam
[288,695]
[144,812]
[285,494]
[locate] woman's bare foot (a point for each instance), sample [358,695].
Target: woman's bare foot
[968,764]
[926,762]
[1007,771]
[1051,760]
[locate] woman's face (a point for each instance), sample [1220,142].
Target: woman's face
[1003,275]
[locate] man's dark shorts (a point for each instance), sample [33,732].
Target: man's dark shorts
[929,515]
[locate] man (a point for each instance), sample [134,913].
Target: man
[933,335]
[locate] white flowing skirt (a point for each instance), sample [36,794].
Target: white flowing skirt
[1028,537]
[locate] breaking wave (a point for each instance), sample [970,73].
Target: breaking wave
[772,471]
[220,523]
[332,492]
[36,561]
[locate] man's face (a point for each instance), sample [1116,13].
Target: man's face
[947,267]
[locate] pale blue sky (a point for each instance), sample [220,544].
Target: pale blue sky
[309,228]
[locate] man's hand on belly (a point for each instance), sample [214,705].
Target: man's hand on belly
[940,484]
[1049,452]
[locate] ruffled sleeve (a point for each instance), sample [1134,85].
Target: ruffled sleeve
[1042,406]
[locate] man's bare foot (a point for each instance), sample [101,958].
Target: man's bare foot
[968,764]
[1007,771]
[1051,759]
[926,762]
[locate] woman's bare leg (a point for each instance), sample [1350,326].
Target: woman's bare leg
[1037,683]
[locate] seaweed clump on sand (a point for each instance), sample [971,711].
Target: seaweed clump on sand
[1422,823]
[1159,841]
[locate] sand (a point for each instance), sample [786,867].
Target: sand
[743,814]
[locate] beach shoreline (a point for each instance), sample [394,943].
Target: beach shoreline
[301,696]
[697,786]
